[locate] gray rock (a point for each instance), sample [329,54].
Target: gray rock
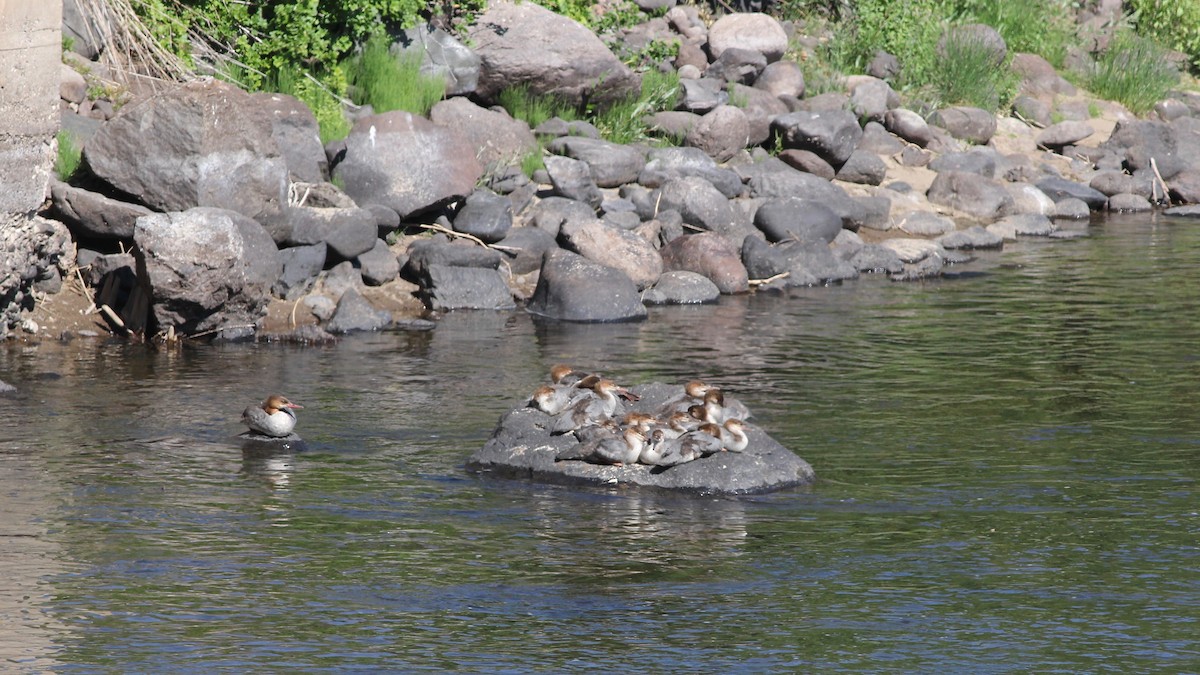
[907,125]
[782,78]
[970,193]
[702,206]
[198,144]
[1034,110]
[92,215]
[379,265]
[1116,182]
[875,258]
[680,287]
[876,213]
[340,278]
[671,124]
[521,446]
[34,250]
[797,219]
[774,178]
[498,139]
[301,265]
[447,288]
[884,66]
[1125,202]
[1189,211]
[871,98]
[878,140]
[1185,186]
[973,237]
[736,65]
[720,133]
[572,179]
[94,266]
[1026,224]
[927,268]
[297,134]
[926,224]
[702,95]
[965,123]
[610,164]
[615,248]
[832,135]
[980,161]
[485,215]
[423,254]
[1039,78]
[808,162]
[1064,133]
[406,163]
[1029,199]
[355,314]
[711,255]
[864,168]
[442,55]
[667,163]
[1072,208]
[1061,188]
[573,288]
[524,247]
[751,31]
[551,213]
[184,262]
[524,44]
[347,232]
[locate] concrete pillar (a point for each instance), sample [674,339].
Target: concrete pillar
[30,57]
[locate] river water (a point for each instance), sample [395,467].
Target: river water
[1007,469]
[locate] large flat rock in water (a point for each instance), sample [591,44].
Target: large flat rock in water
[522,447]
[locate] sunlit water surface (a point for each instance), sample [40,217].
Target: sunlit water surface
[1007,465]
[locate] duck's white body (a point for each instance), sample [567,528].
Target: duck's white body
[273,417]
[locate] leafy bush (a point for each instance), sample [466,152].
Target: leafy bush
[66,162]
[1042,27]
[1135,71]
[388,82]
[1174,23]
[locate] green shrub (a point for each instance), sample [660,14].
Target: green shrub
[66,162]
[967,74]
[1174,23]
[389,82]
[621,122]
[532,162]
[1042,27]
[1135,71]
[908,29]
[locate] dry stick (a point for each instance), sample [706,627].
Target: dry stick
[112,316]
[777,277]
[292,319]
[1166,192]
[83,289]
[211,331]
[449,232]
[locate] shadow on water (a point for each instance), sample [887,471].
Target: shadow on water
[1006,462]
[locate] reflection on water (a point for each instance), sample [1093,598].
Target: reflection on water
[1006,463]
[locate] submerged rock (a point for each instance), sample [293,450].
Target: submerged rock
[522,446]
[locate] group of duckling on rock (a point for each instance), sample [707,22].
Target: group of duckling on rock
[695,424]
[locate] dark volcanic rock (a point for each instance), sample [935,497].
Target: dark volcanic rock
[522,446]
[354,313]
[680,287]
[573,288]
[447,288]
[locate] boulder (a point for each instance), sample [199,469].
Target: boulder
[1059,189]
[782,78]
[749,30]
[619,249]
[572,179]
[832,135]
[522,447]
[202,143]
[720,133]
[965,123]
[524,247]
[485,215]
[301,265]
[35,251]
[774,178]
[797,219]
[379,265]
[347,232]
[1026,224]
[552,212]
[702,206]
[573,288]
[446,288]
[296,132]
[442,55]
[610,164]
[735,65]
[663,164]
[521,44]
[808,162]
[926,224]
[1062,134]
[975,236]
[498,139]
[407,163]
[424,253]
[205,269]
[710,255]
[970,193]
[353,313]
[864,168]
[680,287]
[92,215]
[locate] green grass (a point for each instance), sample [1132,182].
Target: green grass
[324,105]
[1042,27]
[1135,71]
[967,74]
[532,162]
[66,163]
[534,109]
[622,122]
[389,82]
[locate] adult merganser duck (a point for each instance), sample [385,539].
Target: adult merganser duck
[273,417]
[733,435]
[622,450]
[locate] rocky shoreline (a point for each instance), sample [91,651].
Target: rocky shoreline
[202,210]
